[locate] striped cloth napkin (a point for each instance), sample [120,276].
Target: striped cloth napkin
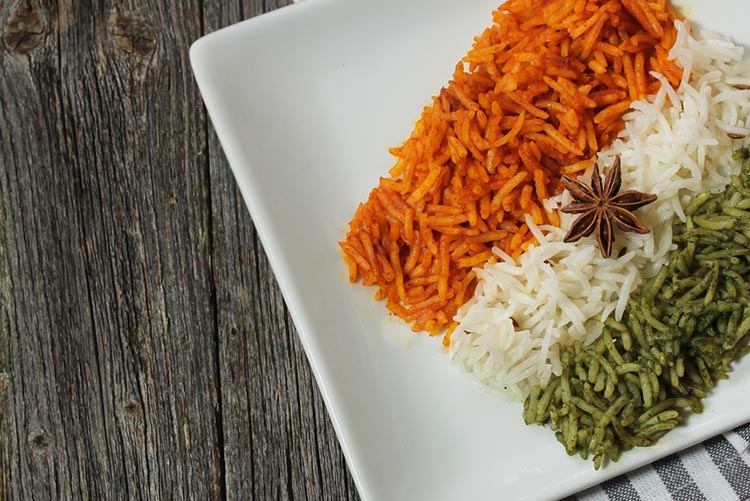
[716,470]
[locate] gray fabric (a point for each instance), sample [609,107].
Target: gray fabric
[744,432]
[731,465]
[716,470]
[677,480]
[620,489]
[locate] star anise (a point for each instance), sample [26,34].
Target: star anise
[602,208]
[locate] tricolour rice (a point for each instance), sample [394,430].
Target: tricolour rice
[674,145]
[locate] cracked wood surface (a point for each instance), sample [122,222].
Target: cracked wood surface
[145,349]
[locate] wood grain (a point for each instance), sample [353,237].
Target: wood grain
[270,401]
[145,349]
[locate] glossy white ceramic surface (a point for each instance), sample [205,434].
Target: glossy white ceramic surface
[306,100]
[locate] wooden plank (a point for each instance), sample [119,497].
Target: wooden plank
[278,440]
[107,324]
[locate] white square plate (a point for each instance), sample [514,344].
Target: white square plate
[305,101]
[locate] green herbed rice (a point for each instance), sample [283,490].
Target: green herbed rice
[680,333]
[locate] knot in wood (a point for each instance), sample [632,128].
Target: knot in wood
[40,441]
[132,36]
[132,408]
[24,29]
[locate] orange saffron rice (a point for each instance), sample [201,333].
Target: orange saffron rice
[540,92]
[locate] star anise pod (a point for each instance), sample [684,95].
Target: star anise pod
[602,208]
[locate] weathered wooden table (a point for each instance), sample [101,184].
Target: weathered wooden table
[145,349]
